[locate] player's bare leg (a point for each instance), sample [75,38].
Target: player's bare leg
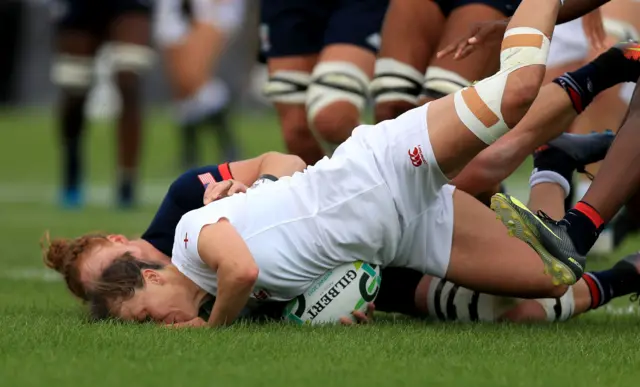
[410,33]
[446,75]
[287,89]
[73,72]
[130,35]
[337,93]
[549,116]
[571,238]
[192,46]
[462,125]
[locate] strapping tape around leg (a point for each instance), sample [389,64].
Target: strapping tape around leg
[72,72]
[336,81]
[395,81]
[287,86]
[479,106]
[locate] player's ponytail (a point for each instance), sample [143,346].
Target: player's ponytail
[64,255]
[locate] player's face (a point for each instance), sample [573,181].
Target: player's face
[95,261]
[163,299]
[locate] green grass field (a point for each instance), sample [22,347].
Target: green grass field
[45,339]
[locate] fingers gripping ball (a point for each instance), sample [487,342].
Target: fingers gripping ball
[339,292]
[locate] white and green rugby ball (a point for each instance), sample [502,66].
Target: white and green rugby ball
[336,294]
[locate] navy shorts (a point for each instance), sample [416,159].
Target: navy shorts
[95,16]
[507,7]
[304,27]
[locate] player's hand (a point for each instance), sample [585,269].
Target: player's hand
[219,190]
[594,31]
[480,34]
[195,323]
[361,318]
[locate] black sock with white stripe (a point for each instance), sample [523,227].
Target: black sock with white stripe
[584,84]
[604,286]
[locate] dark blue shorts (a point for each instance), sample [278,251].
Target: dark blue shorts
[304,27]
[507,7]
[95,16]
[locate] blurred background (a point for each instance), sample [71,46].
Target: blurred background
[31,159]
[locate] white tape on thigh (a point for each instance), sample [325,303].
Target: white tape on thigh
[440,82]
[479,106]
[287,86]
[336,81]
[559,309]
[72,72]
[131,57]
[395,81]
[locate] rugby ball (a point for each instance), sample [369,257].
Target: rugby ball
[336,294]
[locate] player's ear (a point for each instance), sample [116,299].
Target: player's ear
[152,277]
[117,238]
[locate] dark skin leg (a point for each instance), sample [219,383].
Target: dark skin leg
[132,28]
[619,176]
[81,44]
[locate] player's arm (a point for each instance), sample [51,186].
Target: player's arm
[225,252]
[271,163]
[491,32]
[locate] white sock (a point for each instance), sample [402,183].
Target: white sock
[539,177]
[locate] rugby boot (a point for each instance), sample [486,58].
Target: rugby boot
[549,238]
[582,149]
[629,269]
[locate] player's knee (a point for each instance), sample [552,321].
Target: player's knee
[395,88]
[334,123]
[521,91]
[494,105]
[336,96]
[440,82]
[73,74]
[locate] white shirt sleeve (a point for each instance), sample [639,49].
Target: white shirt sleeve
[185,244]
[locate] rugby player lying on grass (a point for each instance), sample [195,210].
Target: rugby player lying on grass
[369,202]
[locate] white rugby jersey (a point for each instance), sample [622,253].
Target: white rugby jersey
[298,228]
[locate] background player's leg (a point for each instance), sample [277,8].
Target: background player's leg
[130,36]
[193,39]
[618,180]
[291,54]
[460,126]
[446,76]
[287,89]
[73,72]
[340,81]
[338,92]
[410,33]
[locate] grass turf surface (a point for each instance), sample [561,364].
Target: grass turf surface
[45,339]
